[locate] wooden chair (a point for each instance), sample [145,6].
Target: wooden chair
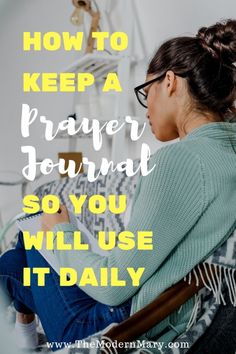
[152,314]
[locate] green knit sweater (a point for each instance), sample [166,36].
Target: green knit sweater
[189,202]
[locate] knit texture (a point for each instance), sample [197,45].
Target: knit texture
[189,202]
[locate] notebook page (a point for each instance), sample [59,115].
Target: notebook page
[32,223]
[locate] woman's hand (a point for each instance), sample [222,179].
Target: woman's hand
[48,221]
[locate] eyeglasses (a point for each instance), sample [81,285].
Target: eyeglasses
[140,93]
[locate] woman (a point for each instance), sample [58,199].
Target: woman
[188,201]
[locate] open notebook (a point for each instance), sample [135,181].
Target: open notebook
[32,224]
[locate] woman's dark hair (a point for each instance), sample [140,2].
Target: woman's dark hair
[209,63]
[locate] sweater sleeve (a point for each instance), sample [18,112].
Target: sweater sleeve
[169,203]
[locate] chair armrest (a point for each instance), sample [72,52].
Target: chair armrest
[155,312]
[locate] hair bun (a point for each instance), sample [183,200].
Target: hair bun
[220,40]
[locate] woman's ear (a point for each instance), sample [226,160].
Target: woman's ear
[170,82]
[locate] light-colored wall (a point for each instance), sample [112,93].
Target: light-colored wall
[159,21]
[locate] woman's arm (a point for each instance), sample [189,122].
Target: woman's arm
[169,203]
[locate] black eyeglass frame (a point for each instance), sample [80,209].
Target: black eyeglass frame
[140,87]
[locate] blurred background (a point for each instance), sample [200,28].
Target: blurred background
[148,23]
